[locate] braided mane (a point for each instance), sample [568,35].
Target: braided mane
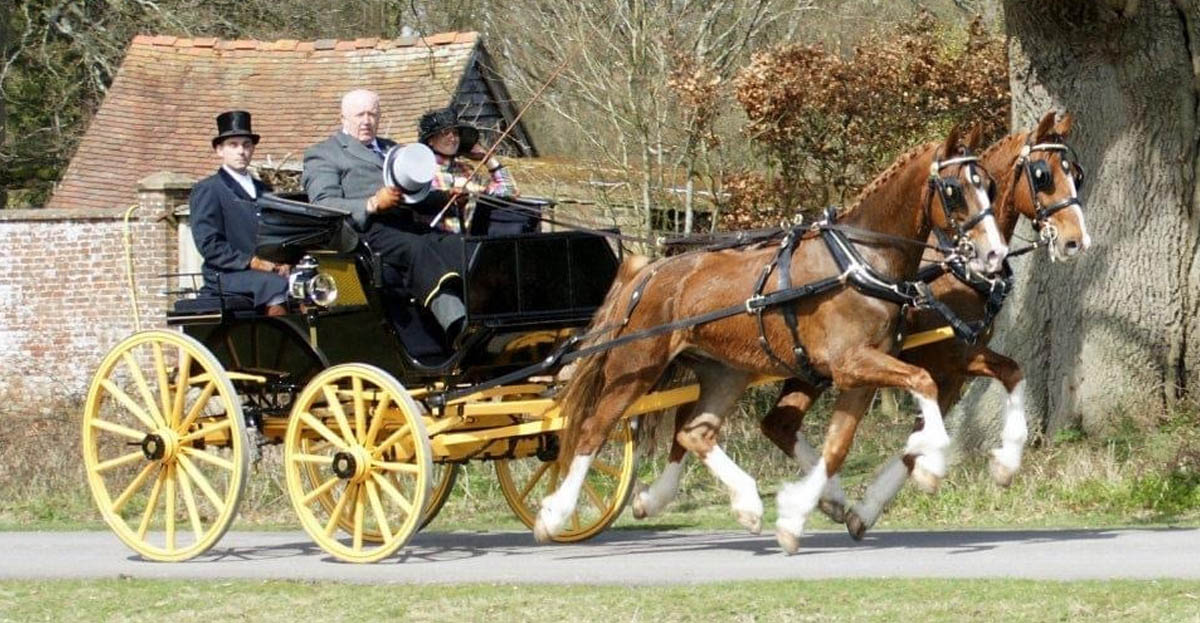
[882,179]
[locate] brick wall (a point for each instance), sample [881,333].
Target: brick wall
[64,293]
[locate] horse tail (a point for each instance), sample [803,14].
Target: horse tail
[587,381]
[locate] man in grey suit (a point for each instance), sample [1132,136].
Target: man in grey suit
[346,171]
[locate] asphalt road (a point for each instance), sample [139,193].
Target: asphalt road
[633,557]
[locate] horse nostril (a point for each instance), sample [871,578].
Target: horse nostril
[1071,247]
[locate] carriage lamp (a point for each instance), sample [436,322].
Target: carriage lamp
[307,285]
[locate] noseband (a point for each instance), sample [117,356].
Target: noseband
[1041,179]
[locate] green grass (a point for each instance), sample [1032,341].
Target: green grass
[839,600]
[1133,476]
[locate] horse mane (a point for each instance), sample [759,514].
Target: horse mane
[1005,199]
[884,178]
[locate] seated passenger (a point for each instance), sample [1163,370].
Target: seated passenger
[449,139]
[346,171]
[224,227]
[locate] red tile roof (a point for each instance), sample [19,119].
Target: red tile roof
[159,112]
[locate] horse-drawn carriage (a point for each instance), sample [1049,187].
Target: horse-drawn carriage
[374,412]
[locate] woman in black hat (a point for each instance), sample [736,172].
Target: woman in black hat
[450,140]
[224,221]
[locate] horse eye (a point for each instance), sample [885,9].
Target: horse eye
[991,191]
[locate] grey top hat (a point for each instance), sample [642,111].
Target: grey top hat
[410,168]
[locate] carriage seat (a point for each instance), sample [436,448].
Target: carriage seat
[212,304]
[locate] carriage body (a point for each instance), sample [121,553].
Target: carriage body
[356,392]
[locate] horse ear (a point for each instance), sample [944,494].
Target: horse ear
[975,137]
[1063,127]
[950,146]
[1044,126]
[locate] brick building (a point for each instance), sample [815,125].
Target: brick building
[64,292]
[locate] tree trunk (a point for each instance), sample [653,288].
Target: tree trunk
[4,6]
[1115,333]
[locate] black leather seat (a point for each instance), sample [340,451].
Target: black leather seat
[213,304]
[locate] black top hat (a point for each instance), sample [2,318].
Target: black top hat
[435,121]
[233,123]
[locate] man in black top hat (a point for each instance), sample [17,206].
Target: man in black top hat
[225,221]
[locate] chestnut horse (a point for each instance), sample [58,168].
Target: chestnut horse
[846,334]
[1037,179]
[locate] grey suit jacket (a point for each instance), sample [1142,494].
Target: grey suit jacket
[341,172]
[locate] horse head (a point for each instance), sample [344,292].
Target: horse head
[963,191]
[1046,191]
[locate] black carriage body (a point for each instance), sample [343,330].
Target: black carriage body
[525,293]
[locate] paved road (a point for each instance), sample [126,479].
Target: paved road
[634,557]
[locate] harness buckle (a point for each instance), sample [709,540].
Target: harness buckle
[755,303]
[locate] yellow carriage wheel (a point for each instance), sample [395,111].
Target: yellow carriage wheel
[443,479]
[605,492]
[164,445]
[364,434]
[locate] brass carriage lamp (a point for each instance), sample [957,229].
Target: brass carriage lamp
[308,285]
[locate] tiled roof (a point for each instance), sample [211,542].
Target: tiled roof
[159,112]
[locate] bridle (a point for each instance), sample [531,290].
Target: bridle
[949,191]
[1041,179]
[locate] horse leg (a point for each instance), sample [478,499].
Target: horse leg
[797,499]
[650,501]
[1006,459]
[720,388]
[782,425]
[890,480]
[615,399]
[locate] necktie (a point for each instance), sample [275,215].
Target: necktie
[375,148]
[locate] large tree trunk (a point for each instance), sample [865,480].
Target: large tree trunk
[1116,332]
[3,113]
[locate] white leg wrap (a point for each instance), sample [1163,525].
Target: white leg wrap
[929,443]
[558,506]
[807,456]
[1015,432]
[743,490]
[797,499]
[662,491]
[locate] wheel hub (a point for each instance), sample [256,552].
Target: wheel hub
[351,464]
[160,446]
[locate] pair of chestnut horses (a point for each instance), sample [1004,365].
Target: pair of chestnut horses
[844,334]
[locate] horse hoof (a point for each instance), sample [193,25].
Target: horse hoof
[925,480]
[855,526]
[1001,474]
[751,521]
[540,533]
[639,502]
[788,541]
[835,511]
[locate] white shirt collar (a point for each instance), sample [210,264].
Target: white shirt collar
[243,179]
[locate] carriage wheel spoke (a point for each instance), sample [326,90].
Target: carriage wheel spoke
[406,468]
[359,508]
[204,431]
[322,430]
[202,481]
[151,504]
[391,440]
[606,468]
[339,414]
[575,521]
[143,388]
[555,472]
[164,386]
[319,491]
[123,431]
[133,487]
[194,412]
[130,405]
[377,508]
[360,410]
[595,497]
[533,480]
[132,457]
[171,506]
[208,457]
[377,420]
[189,501]
[393,493]
[318,459]
[233,354]
[181,387]
[339,508]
